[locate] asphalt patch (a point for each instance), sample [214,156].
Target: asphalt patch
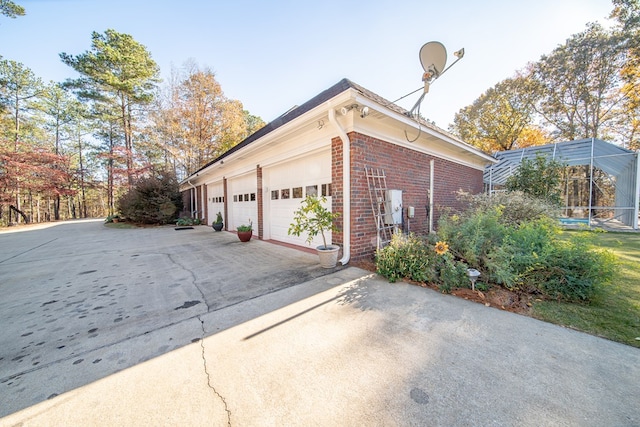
[187,304]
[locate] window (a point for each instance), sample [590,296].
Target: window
[235,197]
[275,194]
[253,197]
[285,193]
[312,190]
[246,197]
[326,190]
[297,193]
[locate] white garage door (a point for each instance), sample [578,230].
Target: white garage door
[288,184]
[243,201]
[215,198]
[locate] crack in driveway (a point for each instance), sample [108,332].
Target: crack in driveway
[194,280]
[206,371]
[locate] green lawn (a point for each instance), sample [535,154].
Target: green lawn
[124,225]
[615,312]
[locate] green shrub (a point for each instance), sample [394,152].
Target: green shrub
[153,200]
[473,238]
[406,257]
[449,273]
[514,207]
[531,257]
[539,177]
[524,248]
[181,222]
[513,243]
[415,258]
[574,270]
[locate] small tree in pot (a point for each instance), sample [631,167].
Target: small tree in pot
[313,218]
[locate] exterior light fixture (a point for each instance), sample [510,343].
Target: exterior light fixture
[473,276]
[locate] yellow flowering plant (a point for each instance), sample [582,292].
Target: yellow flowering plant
[441,248]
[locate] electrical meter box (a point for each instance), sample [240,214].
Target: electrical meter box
[393,207]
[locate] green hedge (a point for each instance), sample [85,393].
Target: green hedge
[529,254]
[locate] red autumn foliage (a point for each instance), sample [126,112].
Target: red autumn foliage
[35,170]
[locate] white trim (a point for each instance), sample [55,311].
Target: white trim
[360,99]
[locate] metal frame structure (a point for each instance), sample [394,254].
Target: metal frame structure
[620,166]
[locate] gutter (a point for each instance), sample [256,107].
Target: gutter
[346,187]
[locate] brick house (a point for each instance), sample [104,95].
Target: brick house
[322,147]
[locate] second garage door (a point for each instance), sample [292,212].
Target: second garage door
[243,203]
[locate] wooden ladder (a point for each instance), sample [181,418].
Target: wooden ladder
[377,182]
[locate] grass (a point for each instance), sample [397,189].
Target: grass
[615,311]
[125,225]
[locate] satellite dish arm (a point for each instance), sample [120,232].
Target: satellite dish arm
[459,55]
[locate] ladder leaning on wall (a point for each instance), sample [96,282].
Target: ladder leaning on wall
[377,182]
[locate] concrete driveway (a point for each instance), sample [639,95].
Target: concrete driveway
[164,327]
[79,300]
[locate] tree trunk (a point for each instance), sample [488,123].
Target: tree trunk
[128,145]
[84,200]
[110,200]
[18,211]
[56,208]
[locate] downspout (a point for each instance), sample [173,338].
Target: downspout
[431,193]
[346,187]
[194,198]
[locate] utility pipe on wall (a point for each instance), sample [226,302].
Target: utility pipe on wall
[346,187]
[431,175]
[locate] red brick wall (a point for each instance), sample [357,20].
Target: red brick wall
[405,170]
[337,195]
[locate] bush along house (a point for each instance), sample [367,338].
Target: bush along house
[380,169]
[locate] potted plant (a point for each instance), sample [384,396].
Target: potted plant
[245,232]
[218,223]
[113,218]
[313,218]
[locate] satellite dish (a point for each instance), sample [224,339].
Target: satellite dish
[433,57]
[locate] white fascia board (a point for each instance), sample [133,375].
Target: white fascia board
[362,100]
[306,119]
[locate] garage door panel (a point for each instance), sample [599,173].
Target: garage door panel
[215,196]
[288,185]
[242,193]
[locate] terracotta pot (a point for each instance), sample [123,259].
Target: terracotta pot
[245,236]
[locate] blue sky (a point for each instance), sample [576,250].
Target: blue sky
[272,55]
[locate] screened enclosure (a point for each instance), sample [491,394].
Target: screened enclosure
[601,181]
